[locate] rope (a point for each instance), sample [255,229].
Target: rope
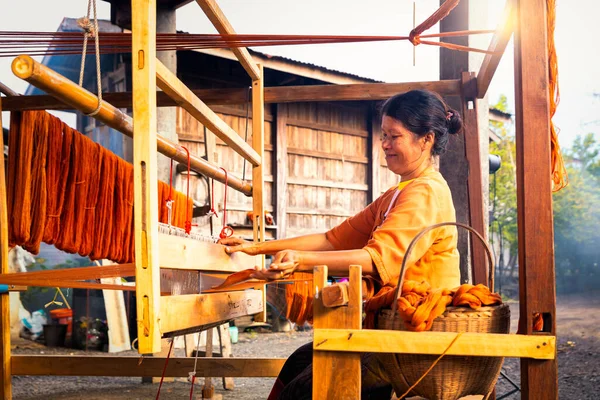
[162,378]
[94,31]
[431,367]
[193,374]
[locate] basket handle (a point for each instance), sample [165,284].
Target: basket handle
[412,244]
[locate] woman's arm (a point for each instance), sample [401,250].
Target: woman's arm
[314,242]
[288,261]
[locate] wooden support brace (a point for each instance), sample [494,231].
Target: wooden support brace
[187,100]
[5,356]
[497,46]
[336,375]
[147,366]
[468,344]
[475,177]
[222,25]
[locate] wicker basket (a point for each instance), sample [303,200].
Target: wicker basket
[454,376]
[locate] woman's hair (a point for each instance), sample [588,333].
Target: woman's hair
[421,112]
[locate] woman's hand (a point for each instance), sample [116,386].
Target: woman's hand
[233,244]
[284,264]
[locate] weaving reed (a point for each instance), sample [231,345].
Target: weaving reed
[66,190]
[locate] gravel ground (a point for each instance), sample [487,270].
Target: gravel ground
[578,353]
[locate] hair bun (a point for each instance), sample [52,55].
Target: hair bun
[454,122]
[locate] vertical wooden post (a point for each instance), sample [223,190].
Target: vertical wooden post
[143,13]
[280,169]
[475,179]
[537,290]
[452,163]
[258,179]
[336,375]
[375,148]
[5,383]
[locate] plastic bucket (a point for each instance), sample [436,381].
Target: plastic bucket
[55,335]
[233,334]
[63,316]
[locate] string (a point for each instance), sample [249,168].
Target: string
[188,221]
[226,231]
[162,378]
[193,374]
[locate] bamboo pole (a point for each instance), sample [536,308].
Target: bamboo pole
[69,92]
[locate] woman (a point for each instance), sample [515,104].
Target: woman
[415,127]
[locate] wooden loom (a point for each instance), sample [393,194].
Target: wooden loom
[539,376]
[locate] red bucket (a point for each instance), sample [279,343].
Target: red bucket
[63,316]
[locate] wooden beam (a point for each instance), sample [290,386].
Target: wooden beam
[328,381]
[280,160]
[148,366]
[147,268]
[286,94]
[79,273]
[374,143]
[5,362]
[66,283]
[222,25]
[327,184]
[475,178]
[498,46]
[176,252]
[187,100]
[187,311]
[468,344]
[537,283]
[78,98]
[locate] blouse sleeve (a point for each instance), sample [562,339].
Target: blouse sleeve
[355,231]
[416,208]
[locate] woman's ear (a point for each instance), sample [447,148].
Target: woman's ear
[428,140]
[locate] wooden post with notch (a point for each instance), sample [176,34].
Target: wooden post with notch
[336,375]
[537,292]
[5,359]
[475,178]
[258,180]
[143,22]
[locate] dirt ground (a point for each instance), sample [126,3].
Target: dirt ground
[578,354]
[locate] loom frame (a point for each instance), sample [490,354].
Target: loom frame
[527,19]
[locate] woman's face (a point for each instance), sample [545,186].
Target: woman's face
[405,152]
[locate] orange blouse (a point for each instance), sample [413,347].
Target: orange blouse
[422,202]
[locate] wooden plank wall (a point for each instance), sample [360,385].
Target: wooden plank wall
[328,152]
[191,135]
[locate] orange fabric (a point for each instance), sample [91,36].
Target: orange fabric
[419,305]
[423,202]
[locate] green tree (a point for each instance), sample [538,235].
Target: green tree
[503,195]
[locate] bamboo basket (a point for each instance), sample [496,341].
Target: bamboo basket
[453,376]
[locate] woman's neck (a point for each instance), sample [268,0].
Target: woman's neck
[417,171]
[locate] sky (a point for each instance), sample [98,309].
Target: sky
[576,30]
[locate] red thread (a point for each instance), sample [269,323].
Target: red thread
[162,378]
[192,389]
[227,231]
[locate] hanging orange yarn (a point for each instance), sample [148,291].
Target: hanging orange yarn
[105,206]
[559,173]
[38,182]
[91,200]
[54,177]
[20,153]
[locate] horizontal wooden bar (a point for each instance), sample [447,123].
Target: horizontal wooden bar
[67,283]
[79,273]
[17,288]
[222,25]
[87,365]
[327,184]
[468,344]
[187,311]
[327,127]
[327,155]
[79,98]
[497,46]
[285,94]
[186,99]
[176,252]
